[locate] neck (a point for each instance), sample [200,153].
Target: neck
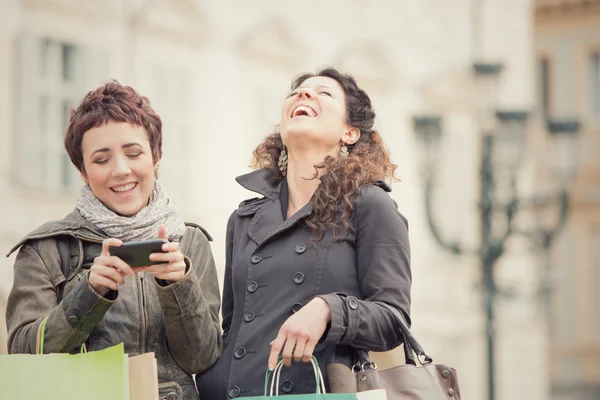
[300,173]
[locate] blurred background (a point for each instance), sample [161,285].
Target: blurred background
[490,108]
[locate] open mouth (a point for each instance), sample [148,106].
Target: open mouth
[124,189]
[303,111]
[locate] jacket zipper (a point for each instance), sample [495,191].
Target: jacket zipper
[143,314]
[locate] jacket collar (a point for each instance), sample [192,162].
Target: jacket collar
[72,225]
[268,220]
[263,181]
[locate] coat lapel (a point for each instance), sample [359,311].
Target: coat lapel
[268,221]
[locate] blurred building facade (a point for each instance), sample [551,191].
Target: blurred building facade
[217,72]
[567,37]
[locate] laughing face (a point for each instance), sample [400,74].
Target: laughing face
[315,112]
[118,166]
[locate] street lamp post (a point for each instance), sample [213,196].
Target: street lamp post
[502,143]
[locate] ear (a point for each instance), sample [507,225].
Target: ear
[156,165]
[351,136]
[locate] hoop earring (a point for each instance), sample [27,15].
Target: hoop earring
[283,161]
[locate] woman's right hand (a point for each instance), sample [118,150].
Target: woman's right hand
[108,272]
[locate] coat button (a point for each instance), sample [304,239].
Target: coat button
[172,396]
[445,373]
[353,303]
[249,316]
[252,287]
[451,392]
[73,319]
[240,353]
[298,277]
[234,391]
[296,307]
[287,386]
[255,259]
[301,248]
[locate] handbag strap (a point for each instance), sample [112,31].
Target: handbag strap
[411,345]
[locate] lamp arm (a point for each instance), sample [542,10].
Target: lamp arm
[562,219]
[511,209]
[453,247]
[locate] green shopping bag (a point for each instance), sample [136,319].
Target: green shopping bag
[97,375]
[320,393]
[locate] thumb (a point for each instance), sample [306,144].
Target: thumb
[162,233]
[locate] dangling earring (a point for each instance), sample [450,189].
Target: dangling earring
[344,151]
[283,161]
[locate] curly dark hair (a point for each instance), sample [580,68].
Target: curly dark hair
[112,102]
[343,178]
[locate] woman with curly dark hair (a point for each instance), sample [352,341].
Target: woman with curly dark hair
[309,263]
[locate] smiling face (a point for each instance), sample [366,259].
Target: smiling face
[118,166]
[315,113]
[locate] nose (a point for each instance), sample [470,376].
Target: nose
[305,93]
[121,167]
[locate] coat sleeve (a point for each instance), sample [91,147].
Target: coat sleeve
[384,275]
[228,281]
[191,309]
[33,297]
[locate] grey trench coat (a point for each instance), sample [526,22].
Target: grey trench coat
[272,270]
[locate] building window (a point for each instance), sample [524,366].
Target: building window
[594,85]
[50,85]
[544,76]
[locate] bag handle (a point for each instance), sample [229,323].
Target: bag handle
[39,346]
[411,345]
[276,373]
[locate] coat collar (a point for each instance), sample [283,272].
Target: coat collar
[263,181]
[268,221]
[72,225]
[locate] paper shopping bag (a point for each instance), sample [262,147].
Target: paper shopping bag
[97,375]
[143,377]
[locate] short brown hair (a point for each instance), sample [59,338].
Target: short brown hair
[112,102]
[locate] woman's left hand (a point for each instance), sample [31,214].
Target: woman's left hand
[173,270]
[300,334]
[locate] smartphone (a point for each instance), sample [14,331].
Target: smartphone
[137,254]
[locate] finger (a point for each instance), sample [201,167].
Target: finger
[106,243]
[170,247]
[167,257]
[309,349]
[107,272]
[276,346]
[162,233]
[166,267]
[114,262]
[288,349]
[101,283]
[299,350]
[171,276]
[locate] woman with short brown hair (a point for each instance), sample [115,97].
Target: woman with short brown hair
[64,272]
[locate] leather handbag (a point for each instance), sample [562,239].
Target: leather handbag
[426,381]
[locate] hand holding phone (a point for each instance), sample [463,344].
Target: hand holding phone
[174,268]
[137,254]
[108,272]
